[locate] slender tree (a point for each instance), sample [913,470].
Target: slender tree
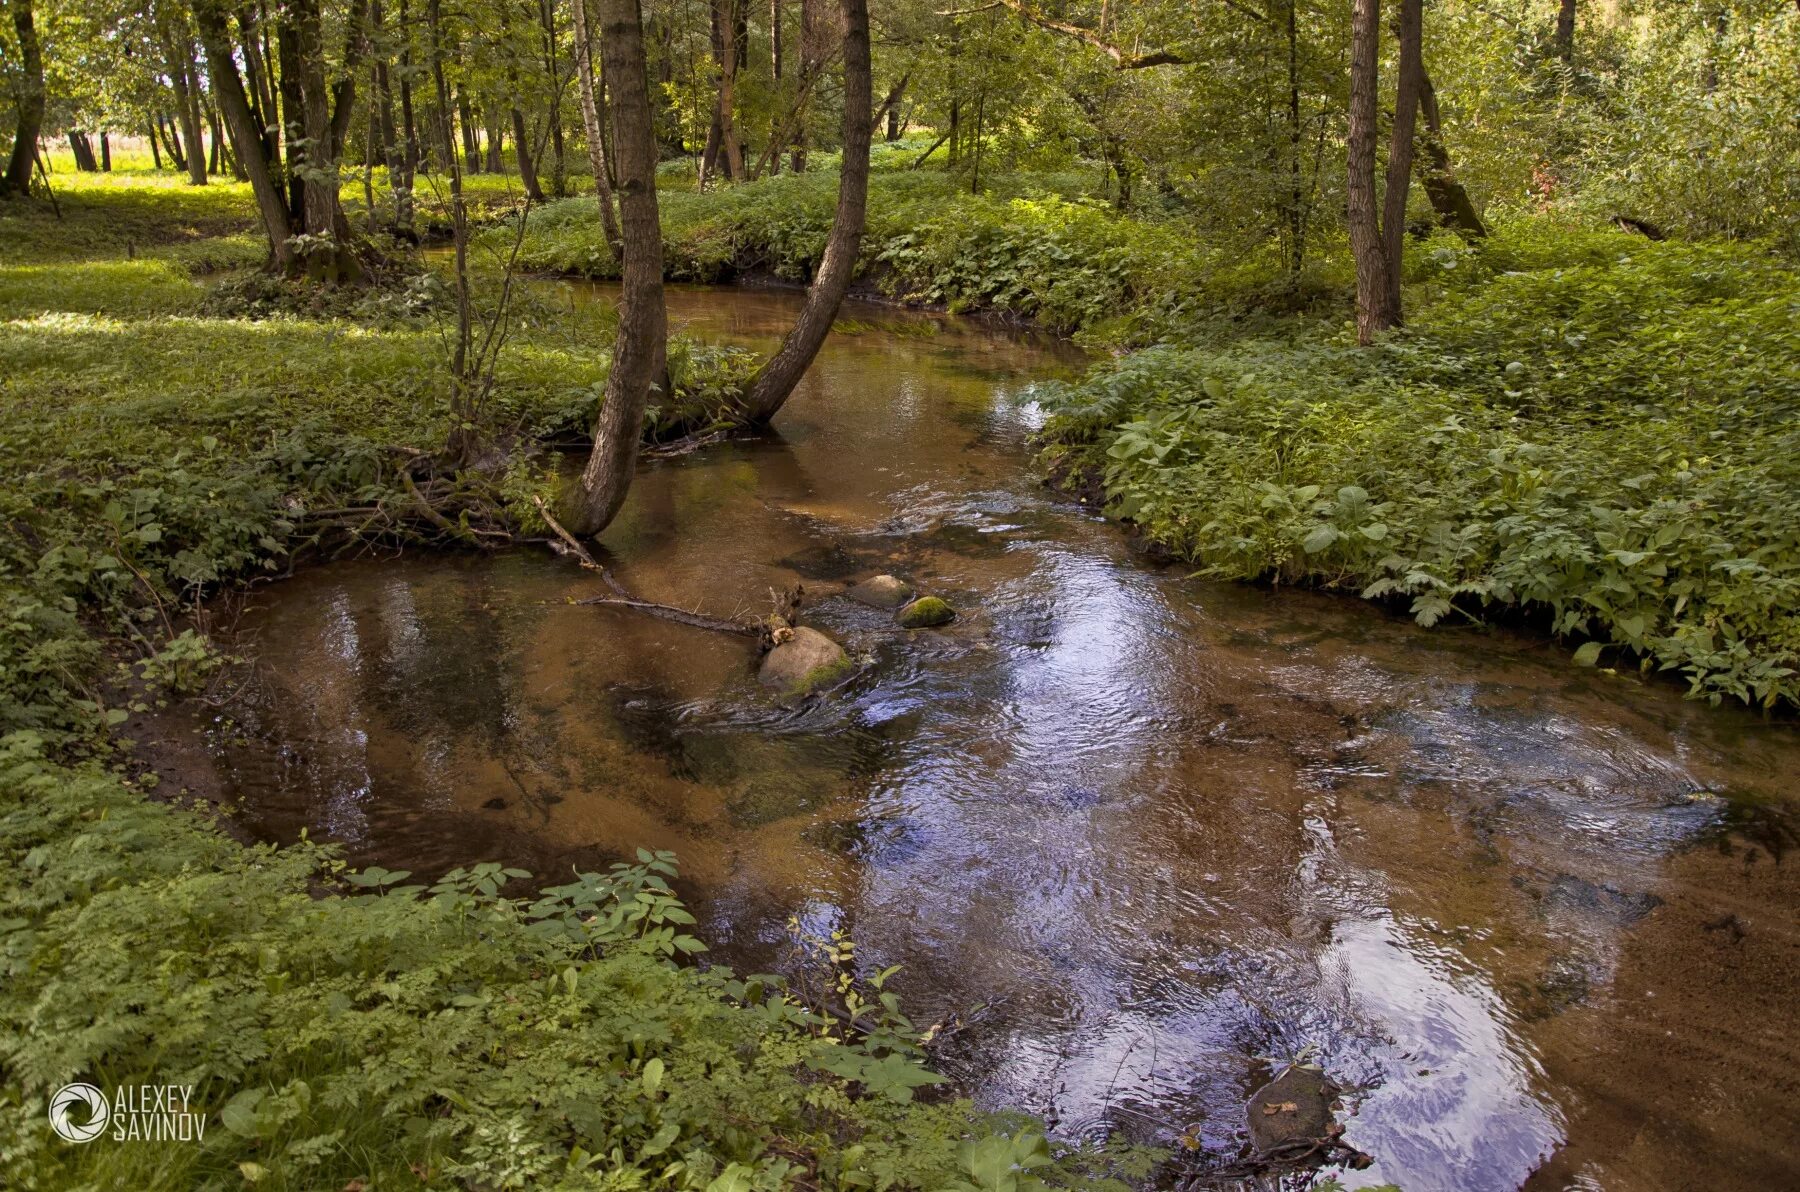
[639,352]
[776,379]
[1361,211]
[589,90]
[262,168]
[1409,71]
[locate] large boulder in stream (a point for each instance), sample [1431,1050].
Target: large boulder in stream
[803,663]
[881,591]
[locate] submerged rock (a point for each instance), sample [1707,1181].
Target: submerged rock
[805,662]
[882,591]
[1294,1107]
[926,612]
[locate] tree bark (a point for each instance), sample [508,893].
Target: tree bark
[1565,30]
[590,126]
[246,136]
[155,147]
[1409,71]
[1448,198]
[83,149]
[522,150]
[639,353]
[105,153]
[1359,187]
[328,259]
[29,108]
[178,59]
[734,149]
[465,122]
[776,379]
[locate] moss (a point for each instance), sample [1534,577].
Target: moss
[822,676]
[926,612]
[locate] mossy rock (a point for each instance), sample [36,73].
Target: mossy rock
[804,663]
[926,612]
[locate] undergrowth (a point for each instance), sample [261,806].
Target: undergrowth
[1586,425]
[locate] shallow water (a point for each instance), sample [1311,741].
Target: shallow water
[1167,832]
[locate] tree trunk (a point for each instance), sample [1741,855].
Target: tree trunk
[83,150]
[173,142]
[1359,187]
[1409,70]
[522,149]
[246,136]
[465,121]
[1448,198]
[1565,30]
[1295,200]
[155,147]
[728,137]
[105,153]
[559,172]
[639,351]
[812,58]
[496,144]
[30,103]
[465,433]
[590,126]
[178,58]
[328,259]
[776,379]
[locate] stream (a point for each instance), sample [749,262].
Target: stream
[1150,836]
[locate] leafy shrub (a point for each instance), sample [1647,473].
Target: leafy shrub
[1616,443]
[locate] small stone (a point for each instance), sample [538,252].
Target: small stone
[1295,1105]
[804,663]
[925,612]
[882,591]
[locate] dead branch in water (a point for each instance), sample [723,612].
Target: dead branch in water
[680,616]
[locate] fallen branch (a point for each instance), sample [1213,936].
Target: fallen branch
[680,616]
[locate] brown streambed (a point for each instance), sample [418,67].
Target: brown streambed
[1168,831]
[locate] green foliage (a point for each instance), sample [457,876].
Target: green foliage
[1615,442]
[1029,245]
[408,1035]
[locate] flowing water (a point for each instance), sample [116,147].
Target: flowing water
[1168,833]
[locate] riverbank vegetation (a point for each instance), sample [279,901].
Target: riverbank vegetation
[1556,379]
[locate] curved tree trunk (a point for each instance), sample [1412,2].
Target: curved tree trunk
[246,134]
[1361,212]
[782,371]
[590,125]
[639,352]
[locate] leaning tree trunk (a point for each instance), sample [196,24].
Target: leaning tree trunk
[30,103]
[770,388]
[1361,215]
[246,134]
[1449,200]
[1409,71]
[639,351]
[590,125]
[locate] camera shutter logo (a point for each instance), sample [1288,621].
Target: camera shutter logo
[93,1119]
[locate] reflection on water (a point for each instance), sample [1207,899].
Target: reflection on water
[1168,833]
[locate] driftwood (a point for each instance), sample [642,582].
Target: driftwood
[625,599]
